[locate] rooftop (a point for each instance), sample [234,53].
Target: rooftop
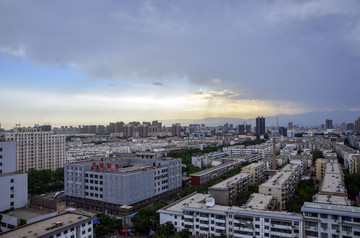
[195,201]
[11,174]
[230,181]
[331,199]
[27,213]
[290,167]
[253,165]
[332,183]
[214,168]
[258,201]
[278,179]
[333,207]
[333,168]
[40,228]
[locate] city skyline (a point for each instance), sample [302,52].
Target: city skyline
[74,63]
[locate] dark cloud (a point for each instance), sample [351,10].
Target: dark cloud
[300,51]
[157,84]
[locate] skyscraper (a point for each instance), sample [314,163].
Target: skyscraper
[357,126]
[260,126]
[329,124]
[290,125]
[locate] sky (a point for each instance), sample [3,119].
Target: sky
[94,62]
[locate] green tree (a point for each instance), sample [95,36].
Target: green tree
[143,220]
[317,154]
[107,225]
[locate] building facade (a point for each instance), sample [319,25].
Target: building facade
[37,150]
[107,185]
[14,185]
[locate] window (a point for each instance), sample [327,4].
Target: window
[11,204]
[323,215]
[324,225]
[12,188]
[346,218]
[11,195]
[324,235]
[335,227]
[347,228]
[58,234]
[311,214]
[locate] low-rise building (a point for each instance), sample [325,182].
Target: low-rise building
[202,217]
[282,186]
[229,190]
[256,170]
[204,176]
[331,220]
[63,225]
[109,185]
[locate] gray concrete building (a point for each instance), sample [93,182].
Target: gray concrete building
[14,190]
[229,190]
[129,182]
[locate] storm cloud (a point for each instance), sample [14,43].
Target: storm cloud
[306,52]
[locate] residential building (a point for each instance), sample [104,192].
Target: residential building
[132,182]
[14,185]
[229,190]
[357,126]
[260,126]
[256,170]
[37,150]
[331,220]
[328,124]
[63,225]
[281,186]
[204,176]
[12,219]
[202,217]
[300,160]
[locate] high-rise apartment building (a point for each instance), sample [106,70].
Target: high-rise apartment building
[290,125]
[37,150]
[328,124]
[357,126]
[175,129]
[260,126]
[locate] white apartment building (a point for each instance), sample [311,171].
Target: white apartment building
[331,220]
[37,150]
[202,217]
[14,185]
[65,225]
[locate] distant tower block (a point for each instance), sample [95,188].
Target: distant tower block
[274,155]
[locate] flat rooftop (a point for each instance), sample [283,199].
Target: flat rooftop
[214,168]
[333,207]
[290,167]
[278,179]
[11,174]
[258,201]
[332,183]
[39,227]
[331,199]
[333,168]
[230,181]
[28,213]
[253,165]
[195,201]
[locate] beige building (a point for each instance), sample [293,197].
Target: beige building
[257,171]
[37,150]
[227,191]
[281,187]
